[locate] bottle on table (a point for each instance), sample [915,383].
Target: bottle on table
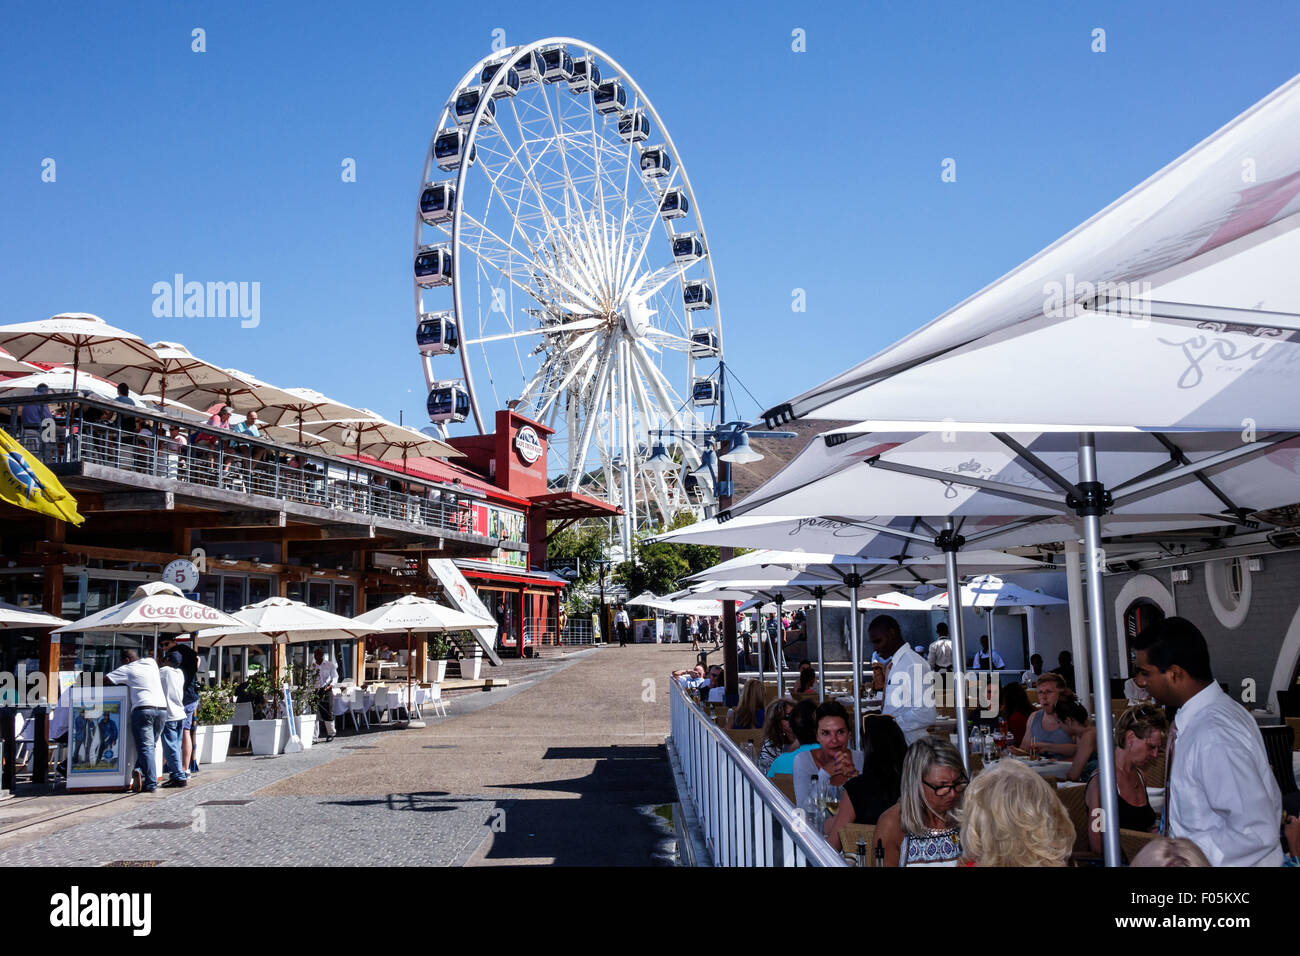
[862,852]
[811,805]
[880,853]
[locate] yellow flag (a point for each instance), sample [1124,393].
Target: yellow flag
[27,483]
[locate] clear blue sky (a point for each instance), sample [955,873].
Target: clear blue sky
[816,170]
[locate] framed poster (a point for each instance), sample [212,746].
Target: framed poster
[99,735]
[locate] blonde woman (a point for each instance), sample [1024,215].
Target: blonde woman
[1012,817]
[748,714]
[921,828]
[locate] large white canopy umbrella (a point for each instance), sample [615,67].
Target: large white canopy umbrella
[412,613]
[1186,283]
[307,405]
[78,336]
[61,379]
[13,616]
[283,621]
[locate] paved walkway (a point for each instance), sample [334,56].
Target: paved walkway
[568,766]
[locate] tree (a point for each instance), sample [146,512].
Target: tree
[587,541]
[658,567]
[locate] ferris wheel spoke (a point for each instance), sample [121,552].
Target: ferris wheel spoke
[589,418]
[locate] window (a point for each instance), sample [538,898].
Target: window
[1228,587]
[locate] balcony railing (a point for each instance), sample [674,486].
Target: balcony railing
[89,431]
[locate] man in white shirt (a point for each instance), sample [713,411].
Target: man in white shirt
[621,625]
[148,713]
[1220,791]
[909,694]
[984,657]
[172,677]
[1030,677]
[940,654]
[326,677]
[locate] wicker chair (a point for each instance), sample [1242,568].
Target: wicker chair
[785,783]
[1131,841]
[1074,799]
[850,834]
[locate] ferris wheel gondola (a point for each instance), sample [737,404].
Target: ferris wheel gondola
[564,267]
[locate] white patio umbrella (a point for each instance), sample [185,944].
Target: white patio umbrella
[705,608]
[990,592]
[171,367]
[236,389]
[61,379]
[283,621]
[412,613]
[157,608]
[72,335]
[381,439]
[10,364]
[854,572]
[307,405]
[12,616]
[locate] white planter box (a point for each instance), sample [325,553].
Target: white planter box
[470,667]
[435,672]
[306,726]
[214,742]
[267,737]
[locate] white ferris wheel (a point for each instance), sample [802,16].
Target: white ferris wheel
[562,269]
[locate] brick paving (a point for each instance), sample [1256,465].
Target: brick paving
[565,766]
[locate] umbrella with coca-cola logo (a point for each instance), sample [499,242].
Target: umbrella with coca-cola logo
[157,608]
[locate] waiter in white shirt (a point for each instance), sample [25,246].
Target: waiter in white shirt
[1220,791]
[940,653]
[148,713]
[327,676]
[909,694]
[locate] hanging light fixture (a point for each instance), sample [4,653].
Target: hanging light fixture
[704,470]
[741,453]
[659,462]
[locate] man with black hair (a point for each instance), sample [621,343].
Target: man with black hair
[908,692]
[940,654]
[1219,789]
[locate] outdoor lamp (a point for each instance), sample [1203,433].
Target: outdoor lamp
[704,470]
[658,462]
[741,453]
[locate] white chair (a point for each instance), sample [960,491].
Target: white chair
[243,714]
[435,699]
[357,705]
[384,705]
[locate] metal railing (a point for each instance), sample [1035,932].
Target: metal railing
[747,821]
[578,632]
[233,461]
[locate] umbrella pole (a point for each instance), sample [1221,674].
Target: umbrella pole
[779,653]
[76,364]
[819,593]
[762,641]
[950,543]
[1090,510]
[855,650]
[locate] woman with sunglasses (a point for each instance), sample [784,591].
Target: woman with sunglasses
[1139,737]
[921,829]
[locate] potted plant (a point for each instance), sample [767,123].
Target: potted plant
[212,730]
[267,734]
[435,663]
